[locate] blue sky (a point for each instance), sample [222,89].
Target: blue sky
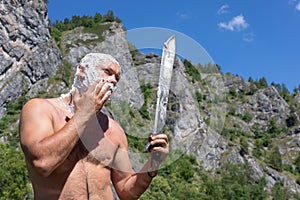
[250,38]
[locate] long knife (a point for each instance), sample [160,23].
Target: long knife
[166,68]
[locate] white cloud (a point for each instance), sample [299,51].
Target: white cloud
[295,3]
[223,9]
[298,6]
[237,23]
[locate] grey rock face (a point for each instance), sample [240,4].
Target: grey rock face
[273,176]
[27,53]
[267,104]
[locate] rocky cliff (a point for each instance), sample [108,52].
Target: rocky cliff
[28,55]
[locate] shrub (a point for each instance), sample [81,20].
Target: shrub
[192,71]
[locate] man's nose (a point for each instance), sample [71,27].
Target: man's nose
[112,79]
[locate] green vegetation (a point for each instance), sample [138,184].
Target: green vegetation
[275,159]
[8,125]
[261,83]
[184,179]
[14,183]
[97,25]
[192,71]
[146,89]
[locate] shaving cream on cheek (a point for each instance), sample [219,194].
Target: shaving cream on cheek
[80,84]
[83,82]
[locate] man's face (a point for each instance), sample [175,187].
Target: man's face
[85,77]
[110,72]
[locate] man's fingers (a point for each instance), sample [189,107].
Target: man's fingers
[106,96]
[160,136]
[159,142]
[99,85]
[160,149]
[101,101]
[102,90]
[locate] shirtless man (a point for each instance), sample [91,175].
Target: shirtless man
[73,150]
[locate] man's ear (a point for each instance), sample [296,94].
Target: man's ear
[80,68]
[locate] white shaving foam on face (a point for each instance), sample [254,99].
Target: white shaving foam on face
[89,64]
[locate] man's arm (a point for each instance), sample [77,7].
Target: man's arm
[44,148]
[130,185]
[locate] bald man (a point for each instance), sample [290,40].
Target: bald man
[73,150]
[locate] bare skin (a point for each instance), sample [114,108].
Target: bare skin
[76,156]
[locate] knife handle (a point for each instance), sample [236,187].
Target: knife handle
[146,148]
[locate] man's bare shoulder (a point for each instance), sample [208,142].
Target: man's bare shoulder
[36,101]
[36,110]
[35,121]
[37,104]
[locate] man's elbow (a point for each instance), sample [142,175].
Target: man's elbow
[128,195]
[42,167]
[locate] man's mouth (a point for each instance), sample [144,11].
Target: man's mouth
[112,87]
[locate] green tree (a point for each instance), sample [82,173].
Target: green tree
[291,120]
[97,18]
[250,80]
[56,35]
[295,91]
[280,193]
[213,189]
[183,190]
[192,71]
[237,183]
[199,96]
[109,17]
[247,117]
[146,90]
[14,182]
[76,21]
[66,21]
[232,92]
[86,21]
[273,127]
[244,146]
[118,20]
[275,159]
[297,164]
[159,189]
[262,83]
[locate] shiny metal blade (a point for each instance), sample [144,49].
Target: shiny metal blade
[167,62]
[166,68]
